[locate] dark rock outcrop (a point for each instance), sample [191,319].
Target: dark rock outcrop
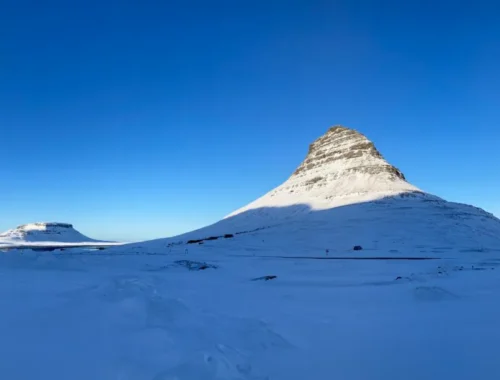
[265,278]
[195,265]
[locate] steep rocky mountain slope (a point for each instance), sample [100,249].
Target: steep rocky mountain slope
[343,194]
[341,167]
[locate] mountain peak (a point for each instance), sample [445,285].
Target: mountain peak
[344,148]
[341,167]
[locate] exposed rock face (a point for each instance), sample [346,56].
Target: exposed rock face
[43,226]
[347,148]
[345,155]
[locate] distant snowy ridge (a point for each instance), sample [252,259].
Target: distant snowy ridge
[45,233]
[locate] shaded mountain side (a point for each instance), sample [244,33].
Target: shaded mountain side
[406,224]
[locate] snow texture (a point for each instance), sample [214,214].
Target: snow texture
[133,317]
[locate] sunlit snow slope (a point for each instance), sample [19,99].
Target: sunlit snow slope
[343,194]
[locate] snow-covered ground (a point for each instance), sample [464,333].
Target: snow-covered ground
[397,226]
[125,316]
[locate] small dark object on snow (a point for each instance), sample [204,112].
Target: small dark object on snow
[212,238]
[43,249]
[101,248]
[357,248]
[265,278]
[200,243]
[194,241]
[478,268]
[195,265]
[228,236]
[399,278]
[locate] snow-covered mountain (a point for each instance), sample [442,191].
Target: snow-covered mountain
[44,233]
[343,194]
[210,306]
[341,167]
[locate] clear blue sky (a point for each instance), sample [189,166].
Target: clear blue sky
[142,119]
